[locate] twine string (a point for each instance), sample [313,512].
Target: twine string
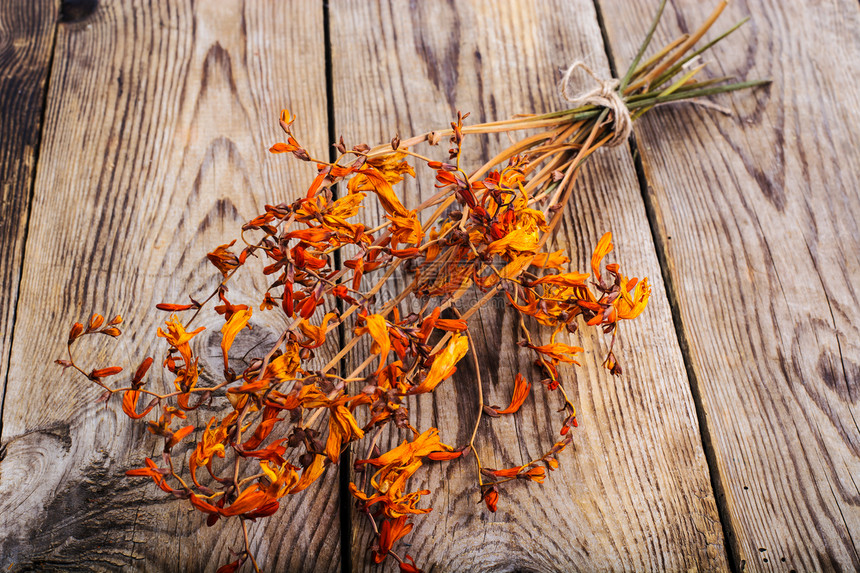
[603,94]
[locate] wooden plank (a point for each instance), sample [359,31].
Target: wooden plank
[26,38]
[160,114]
[634,492]
[757,215]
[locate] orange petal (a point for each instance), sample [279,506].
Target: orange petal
[282,148]
[537,474]
[603,248]
[129,405]
[310,474]
[264,428]
[142,370]
[378,329]
[517,266]
[249,499]
[520,240]
[223,259]
[370,179]
[521,392]
[444,456]
[105,372]
[231,328]
[173,307]
[231,567]
[444,364]
[335,439]
[176,334]
[451,325]
[202,504]
[558,351]
[491,498]
[509,472]
[315,334]
[77,330]
[569,280]
[178,435]
[555,260]
[96,321]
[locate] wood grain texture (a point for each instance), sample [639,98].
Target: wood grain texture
[26,38]
[757,214]
[633,493]
[159,117]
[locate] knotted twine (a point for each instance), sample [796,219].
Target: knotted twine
[604,94]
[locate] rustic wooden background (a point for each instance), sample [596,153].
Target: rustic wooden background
[131,130]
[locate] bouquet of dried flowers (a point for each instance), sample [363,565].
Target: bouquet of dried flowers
[483,232]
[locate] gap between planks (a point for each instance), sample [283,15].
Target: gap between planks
[729,535]
[344,497]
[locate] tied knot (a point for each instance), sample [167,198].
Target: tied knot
[604,94]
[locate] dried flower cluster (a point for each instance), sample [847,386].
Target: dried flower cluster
[483,232]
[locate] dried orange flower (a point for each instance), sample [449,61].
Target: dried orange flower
[483,233]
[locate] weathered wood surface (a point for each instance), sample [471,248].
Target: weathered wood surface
[633,493]
[26,42]
[158,120]
[757,216]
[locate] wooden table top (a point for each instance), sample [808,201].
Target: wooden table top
[135,129]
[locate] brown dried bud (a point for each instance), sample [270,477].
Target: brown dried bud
[306,459]
[297,437]
[395,143]
[340,146]
[491,411]
[103,397]
[569,422]
[433,138]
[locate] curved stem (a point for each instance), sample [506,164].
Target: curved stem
[480,401]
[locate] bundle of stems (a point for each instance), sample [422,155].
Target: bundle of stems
[483,233]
